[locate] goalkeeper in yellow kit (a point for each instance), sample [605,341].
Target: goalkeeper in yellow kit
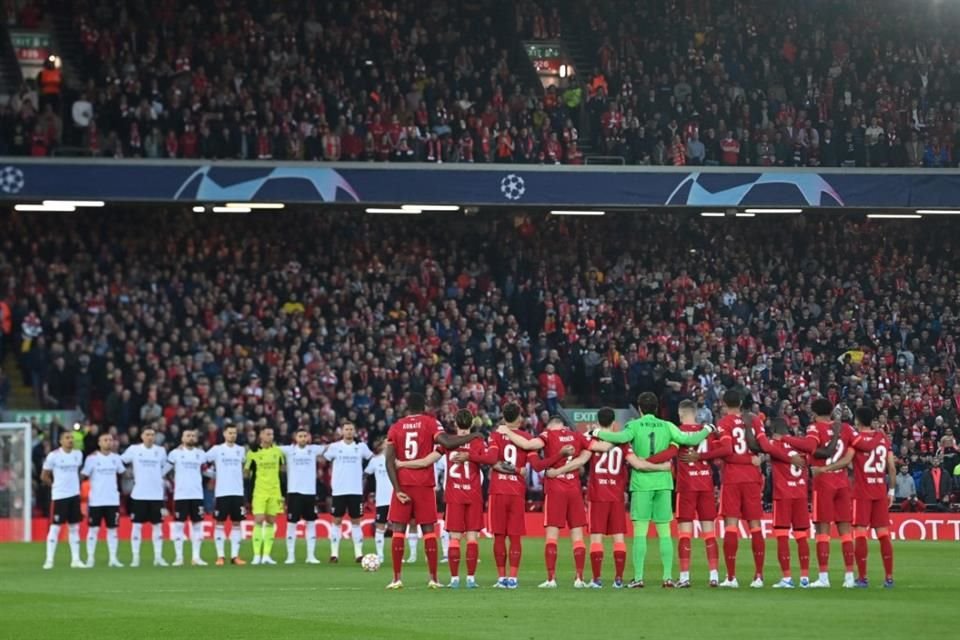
[267,499]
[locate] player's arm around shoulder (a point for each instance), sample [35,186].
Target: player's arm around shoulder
[686,439]
[617,437]
[526,444]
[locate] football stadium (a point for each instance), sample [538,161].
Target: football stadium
[550,319]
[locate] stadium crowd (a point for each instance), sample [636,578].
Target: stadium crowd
[211,320]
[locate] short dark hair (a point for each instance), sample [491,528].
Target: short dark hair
[648,403]
[416,402]
[779,426]
[464,419]
[821,407]
[865,416]
[511,411]
[556,418]
[687,405]
[606,416]
[732,399]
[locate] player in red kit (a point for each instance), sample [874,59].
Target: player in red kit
[564,451]
[874,479]
[414,498]
[741,488]
[508,489]
[609,475]
[832,499]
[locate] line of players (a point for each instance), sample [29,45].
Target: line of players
[828,448]
[229,463]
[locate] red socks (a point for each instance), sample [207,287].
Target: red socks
[759,551]
[396,551]
[579,557]
[550,557]
[713,553]
[683,550]
[516,552]
[619,559]
[886,552]
[473,555]
[803,550]
[823,551]
[453,554]
[500,555]
[596,559]
[430,549]
[731,540]
[783,551]
[860,553]
[846,544]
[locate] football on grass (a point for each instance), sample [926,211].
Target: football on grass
[370,562]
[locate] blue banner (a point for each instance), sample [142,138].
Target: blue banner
[131,180]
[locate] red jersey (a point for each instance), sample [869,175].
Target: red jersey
[823,432]
[696,476]
[556,439]
[608,474]
[788,480]
[870,465]
[412,438]
[509,484]
[464,479]
[738,461]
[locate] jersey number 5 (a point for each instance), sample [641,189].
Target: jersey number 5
[410,446]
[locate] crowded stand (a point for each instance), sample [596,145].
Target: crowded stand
[209,321]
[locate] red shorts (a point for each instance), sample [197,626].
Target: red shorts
[791,513]
[564,509]
[608,518]
[461,517]
[696,505]
[508,516]
[421,508]
[832,505]
[871,513]
[741,500]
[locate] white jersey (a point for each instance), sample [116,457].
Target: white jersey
[228,464]
[66,472]
[148,469]
[302,468]
[378,469]
[440,471]
[347,462]
[187,465]
[103,469]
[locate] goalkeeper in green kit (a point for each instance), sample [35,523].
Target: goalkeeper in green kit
[651,491]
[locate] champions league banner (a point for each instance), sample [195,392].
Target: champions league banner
[26,180]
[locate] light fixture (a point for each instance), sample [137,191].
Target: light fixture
[45,208]
[232,209]
[563,71]
[748,214]
[393,210]
[576,212]
[73,203]
[256,205]
[712,214]
[199,209]
[939,212]
[893,216]
[429,207]
[768,210]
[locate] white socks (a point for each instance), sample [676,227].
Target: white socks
[357,534]
[444,541]
[136,537]
[335,535]
[53,535]
[73,536]
[412,539]
[311,534]
[177,535]
[196,539]
[92,534]
[112,544]
[378,538]
[219,539]
[292,540]
[236,537]
[157,535]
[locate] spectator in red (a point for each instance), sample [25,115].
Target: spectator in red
[552,389]
[730,150]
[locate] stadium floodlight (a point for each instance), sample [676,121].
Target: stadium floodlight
[430,207]
[712,214]
[232,209]
[74,203]
[256,205]
[199,209]
[576,212]
[747,214]
[769,210]
[939,212]
[893,216]
[45,208]
[400,211]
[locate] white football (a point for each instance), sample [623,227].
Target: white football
[370,562]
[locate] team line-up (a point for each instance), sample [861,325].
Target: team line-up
[643,450]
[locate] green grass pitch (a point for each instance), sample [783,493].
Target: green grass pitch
[342,601]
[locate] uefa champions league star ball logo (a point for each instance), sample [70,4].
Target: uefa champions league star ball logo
[11,180]
[512,187]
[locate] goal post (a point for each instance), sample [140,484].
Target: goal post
[16,490]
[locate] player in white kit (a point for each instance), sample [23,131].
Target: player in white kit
[186,462]
[378,469]
[347,456]
[302,493]
[61,468]
[148,461]
[228,459]
[103,467]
